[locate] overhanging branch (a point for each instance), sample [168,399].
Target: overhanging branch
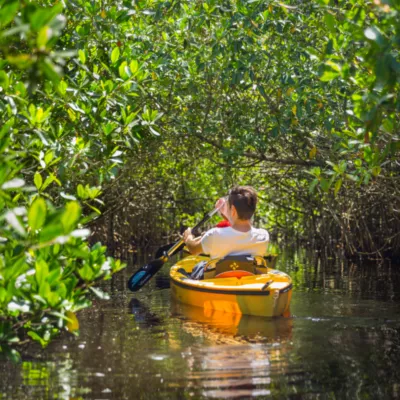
[263,157]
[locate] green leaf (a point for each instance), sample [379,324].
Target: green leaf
[94,208]
[81,192]
[43,37]
[73,323]
[62,87]
[313,184]
[115,55]
[48,157]
[336,67]
[382,71]
[42,270]
[325,184]
[37,338]
[82,56]
[50,232]
[328,76]
[367,178]
[376,171]
[107,129]
[70,282]
[124,70]
[134,66]
[94,191]
[45,291]
[342,166]
[37,214]
[38,180]
[53,276]
[43,16]
[86,273]
[53,298]
[71,216]
[62,290]
[8,12]
[47,182]
[51,71]
[330,21]
[338,185]
[262,92]
[4,80]
[22,61]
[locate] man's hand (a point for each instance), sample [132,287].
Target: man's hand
[188,235]
[193,244]
[222,204]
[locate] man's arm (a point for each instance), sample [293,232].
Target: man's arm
[193,244]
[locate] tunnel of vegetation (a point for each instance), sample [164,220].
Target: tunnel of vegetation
[131,117]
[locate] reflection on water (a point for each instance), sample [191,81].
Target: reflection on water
[229,371]
[220,327]
[240,353]
[342,341]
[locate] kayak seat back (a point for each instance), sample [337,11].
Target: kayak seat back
[238,266]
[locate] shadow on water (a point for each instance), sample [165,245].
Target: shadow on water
[142,314]
[342,342]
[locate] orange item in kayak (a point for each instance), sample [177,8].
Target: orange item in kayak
[234,274]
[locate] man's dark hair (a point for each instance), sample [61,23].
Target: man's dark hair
[244,198]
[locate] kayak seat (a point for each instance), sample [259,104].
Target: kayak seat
[234,274]
[229,266]
[235,266]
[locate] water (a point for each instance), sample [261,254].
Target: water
[342,342]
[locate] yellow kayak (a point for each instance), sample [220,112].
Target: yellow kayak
[265,294]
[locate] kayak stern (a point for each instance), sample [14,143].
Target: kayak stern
[267,294]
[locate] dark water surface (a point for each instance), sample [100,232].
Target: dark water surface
[342,342]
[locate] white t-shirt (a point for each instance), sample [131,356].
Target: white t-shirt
[220,242]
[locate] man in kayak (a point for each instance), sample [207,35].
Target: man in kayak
[241,238]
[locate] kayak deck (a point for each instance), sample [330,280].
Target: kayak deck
[267,294]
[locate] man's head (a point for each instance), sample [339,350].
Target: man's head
[244,201]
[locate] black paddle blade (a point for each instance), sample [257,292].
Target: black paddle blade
[140,277]
[164,249]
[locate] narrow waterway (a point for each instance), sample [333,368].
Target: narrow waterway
[342,342]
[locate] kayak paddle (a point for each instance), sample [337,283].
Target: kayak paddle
[145,273]
[164,249]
